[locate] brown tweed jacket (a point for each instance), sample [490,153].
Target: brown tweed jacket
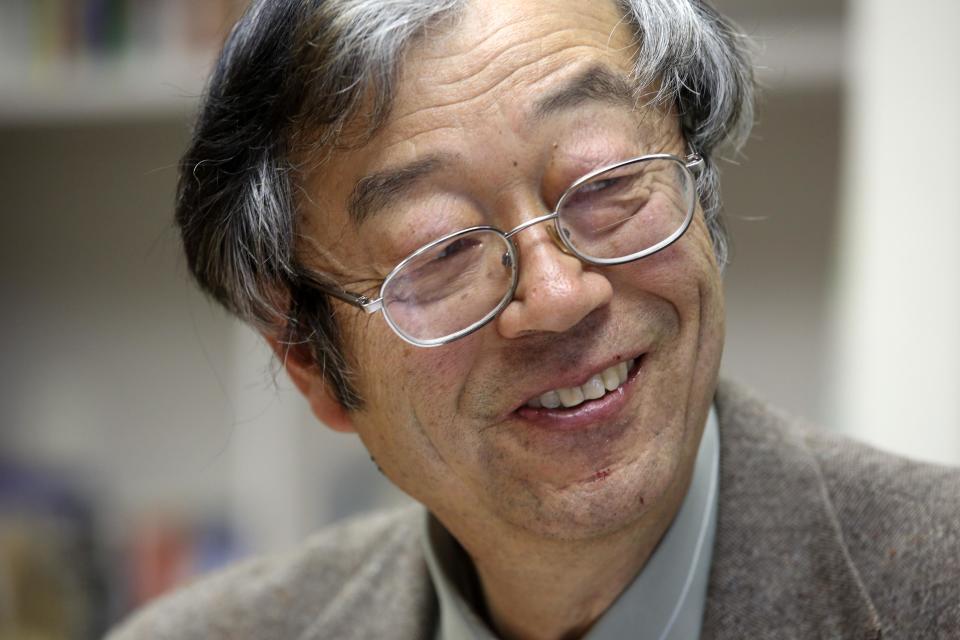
[817,537]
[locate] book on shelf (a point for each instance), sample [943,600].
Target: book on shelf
[38,33]
[63,576]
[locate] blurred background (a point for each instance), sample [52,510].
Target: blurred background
[146,437]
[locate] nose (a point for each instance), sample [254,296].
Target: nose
[555,290]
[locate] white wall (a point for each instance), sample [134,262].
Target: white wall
[897,319]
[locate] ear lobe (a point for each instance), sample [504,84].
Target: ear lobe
[301,368]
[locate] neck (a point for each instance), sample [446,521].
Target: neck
[559,591]
[536,589]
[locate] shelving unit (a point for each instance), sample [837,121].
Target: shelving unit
[88,88]
[168,81]
[75,60]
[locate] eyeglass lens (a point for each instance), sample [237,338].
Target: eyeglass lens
[451,286]
[624,211]
[464,280]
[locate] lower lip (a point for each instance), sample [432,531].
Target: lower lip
[590,413]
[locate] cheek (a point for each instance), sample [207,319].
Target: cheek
[684,274]
[411,394]
[690,281]
[410,423]
[704,268]
[691,258]
[685,281]
[395,374]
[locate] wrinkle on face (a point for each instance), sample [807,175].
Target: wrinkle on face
[497,62]
[467,53]
[433,419]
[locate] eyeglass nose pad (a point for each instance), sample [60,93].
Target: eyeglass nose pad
[557,240]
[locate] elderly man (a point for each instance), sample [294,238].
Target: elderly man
[483,235]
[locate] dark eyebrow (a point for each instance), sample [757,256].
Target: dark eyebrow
[372,193]
[596,83]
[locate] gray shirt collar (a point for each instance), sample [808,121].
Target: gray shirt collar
[664,602]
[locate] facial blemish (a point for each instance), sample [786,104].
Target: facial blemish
[600,475]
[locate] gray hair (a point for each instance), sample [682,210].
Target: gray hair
[294,74]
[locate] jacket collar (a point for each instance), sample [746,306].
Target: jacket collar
[781,567]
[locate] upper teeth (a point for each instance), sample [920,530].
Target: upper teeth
[596,387]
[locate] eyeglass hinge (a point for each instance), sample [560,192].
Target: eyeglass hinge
[369,305]
[694,161]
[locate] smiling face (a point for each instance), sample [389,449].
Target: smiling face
[496,115]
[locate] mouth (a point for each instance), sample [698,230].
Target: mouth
[599,385]
[599,397]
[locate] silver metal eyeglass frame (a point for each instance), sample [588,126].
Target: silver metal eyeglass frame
[693,163]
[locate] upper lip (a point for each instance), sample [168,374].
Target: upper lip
[574,378]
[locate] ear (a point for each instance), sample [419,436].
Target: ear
[307,377]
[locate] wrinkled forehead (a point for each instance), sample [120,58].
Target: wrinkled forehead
[495,79]
[498,57]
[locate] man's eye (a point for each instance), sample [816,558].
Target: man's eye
[600,192]
[458,246]
[599,185]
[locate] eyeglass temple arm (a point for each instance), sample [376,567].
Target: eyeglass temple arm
[362,302]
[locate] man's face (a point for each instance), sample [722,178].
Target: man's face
[448,424]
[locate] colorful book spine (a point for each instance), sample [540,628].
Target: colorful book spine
[48,31]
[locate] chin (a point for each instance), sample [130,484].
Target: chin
[609,500]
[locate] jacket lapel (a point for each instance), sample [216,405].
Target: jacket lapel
[780,566]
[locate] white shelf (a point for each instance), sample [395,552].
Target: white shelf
[134,86]
[792,57]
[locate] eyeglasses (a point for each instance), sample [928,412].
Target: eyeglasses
[456,284]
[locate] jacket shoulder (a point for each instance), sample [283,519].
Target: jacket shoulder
[362,578]
[900,519]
